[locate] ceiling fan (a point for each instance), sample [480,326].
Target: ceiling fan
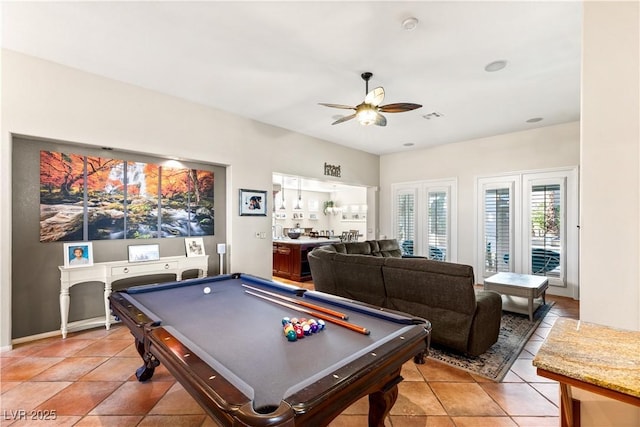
[368,112]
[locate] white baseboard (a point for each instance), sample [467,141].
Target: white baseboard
[71,326]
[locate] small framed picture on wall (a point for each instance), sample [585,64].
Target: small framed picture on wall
[253,202]
[79,254]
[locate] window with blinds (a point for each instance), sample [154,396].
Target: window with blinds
[546,229]
[424,218]
[528,223]
[437,225]
[497,229]
[405,221]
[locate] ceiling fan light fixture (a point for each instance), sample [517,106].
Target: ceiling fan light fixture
[366,114]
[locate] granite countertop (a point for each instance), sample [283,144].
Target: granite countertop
[592,353]
[304,240]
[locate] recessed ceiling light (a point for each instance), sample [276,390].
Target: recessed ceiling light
[410,23]
[534,120]
[408,144]
[495,66]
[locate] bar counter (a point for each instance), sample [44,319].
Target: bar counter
[596,358]
[290,256]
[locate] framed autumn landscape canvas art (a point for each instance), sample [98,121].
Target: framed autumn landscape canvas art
[98,198]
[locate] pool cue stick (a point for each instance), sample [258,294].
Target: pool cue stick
[339,322]
[304,303]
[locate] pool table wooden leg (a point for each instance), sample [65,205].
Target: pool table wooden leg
[421,358]
[145,372]
[381,402]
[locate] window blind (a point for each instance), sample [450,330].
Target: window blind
[438,235]
[497,229]
[405,221]
[546,230]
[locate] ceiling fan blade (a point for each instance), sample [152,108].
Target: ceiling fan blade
[375,97]
[380,120]
[399,107]
[344,119]
[346,107]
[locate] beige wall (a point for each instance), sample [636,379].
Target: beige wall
[610,200]
[610,159]
[542,148]
[43,99]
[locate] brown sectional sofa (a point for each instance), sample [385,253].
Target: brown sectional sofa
[463,319]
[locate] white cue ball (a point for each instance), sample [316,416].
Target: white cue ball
[207,290]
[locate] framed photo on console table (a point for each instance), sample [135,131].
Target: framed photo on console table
[79,254]
[194,246]
[138,253]
[253,202]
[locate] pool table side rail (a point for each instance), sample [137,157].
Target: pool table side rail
[130,315]
[365,308]
[221,278]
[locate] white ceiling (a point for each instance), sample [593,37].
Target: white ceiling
[275,61]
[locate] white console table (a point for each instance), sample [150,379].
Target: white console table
[109,272]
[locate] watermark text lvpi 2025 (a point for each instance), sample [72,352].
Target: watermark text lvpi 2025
[29,415]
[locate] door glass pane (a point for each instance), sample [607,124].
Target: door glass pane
[405,220]
[546,230]
[497,230]
[438,238]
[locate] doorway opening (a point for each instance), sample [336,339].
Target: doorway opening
[319,209]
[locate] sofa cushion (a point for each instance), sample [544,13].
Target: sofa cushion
[375,247]
[360,278]
[321,263]
[337,247]
[406,276]
[389,248]
[358,248]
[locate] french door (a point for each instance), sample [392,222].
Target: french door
[528,224]
[424,218]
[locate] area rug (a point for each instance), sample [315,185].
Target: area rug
[515,330]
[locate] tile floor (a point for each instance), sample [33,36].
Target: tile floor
[88,380]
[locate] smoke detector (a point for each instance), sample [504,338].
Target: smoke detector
[410,23]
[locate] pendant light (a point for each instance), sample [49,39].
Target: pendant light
[299,202]
[282,207]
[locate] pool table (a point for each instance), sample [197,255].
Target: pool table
[228,350]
